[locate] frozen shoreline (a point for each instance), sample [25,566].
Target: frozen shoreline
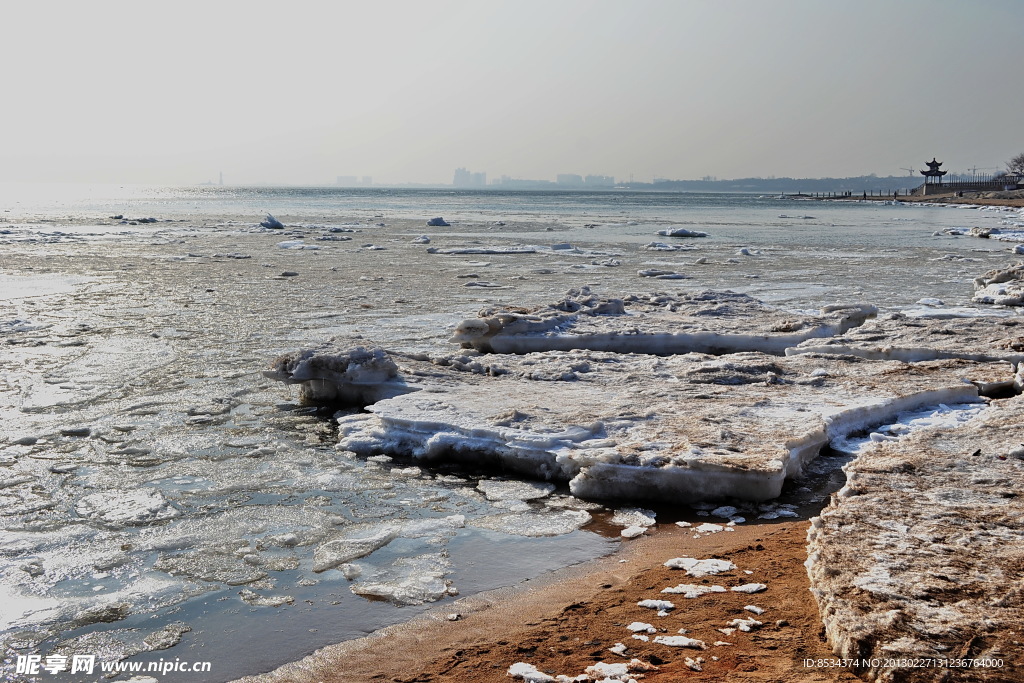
[141,372]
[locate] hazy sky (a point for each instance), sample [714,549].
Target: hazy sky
[301,92]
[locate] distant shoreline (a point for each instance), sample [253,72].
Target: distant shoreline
[1016,198]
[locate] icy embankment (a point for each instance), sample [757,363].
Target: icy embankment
[918,558]
[663,324]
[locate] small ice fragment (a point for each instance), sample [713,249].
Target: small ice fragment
[720,643]
[694,664]
[656,604]
[683,524]
[749,588]
[529,673]
[641,637]
[746,625]
[272,223]
[619,649]
[602,670]
[698,568]
[633,531]
[681,641]
[639,626]
[708,528]
[755,609]
[633,517]
[689,590]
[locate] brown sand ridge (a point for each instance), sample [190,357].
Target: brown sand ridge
[569,622]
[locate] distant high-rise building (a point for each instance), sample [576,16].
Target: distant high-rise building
[569,179]
[599,181]
[465,178]
[367,181]
[347,181]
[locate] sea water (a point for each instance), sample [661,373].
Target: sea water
[156,489]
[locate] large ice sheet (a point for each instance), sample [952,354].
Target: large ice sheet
[676,429]
[708,322]
[919,556]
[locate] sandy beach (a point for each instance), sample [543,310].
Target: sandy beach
[567,621]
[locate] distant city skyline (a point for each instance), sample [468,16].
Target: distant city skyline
[653,89]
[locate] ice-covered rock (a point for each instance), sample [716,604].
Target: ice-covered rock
[919,555]
[335,373]
[438,223]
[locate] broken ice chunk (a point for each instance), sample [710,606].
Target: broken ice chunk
[746,625]
[689,590]
[335,374]
[681,641]
[660,605]
[749,588]
[698,568]
[342,550]
[628,517]
[529,673]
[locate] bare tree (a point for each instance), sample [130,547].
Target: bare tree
[1016,164]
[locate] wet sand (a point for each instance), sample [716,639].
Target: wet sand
[566,621]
